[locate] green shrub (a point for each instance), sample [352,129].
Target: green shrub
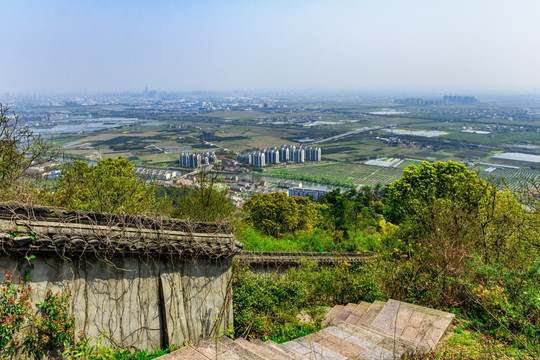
[266,306]
[92,348]
[26,332]
[15,314]
[253,240]
[504,302]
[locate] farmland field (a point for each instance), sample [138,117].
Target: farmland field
[514,179]
[345,174]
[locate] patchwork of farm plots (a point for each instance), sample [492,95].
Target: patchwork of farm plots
[513,178]
[351,174]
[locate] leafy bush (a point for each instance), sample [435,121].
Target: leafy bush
[15,314]
[93,348]
[25,332]
[339,284]
[267,306]
[53,327]
[504,302]
[253,240]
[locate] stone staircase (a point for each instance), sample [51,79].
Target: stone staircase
[381,331]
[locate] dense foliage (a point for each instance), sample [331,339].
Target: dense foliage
[206,200]
[19,150]
[24,330]
[277,214]
[267,306]
[441,236]
[110,186]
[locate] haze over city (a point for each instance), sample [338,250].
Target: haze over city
[461,46]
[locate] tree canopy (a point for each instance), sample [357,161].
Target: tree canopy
[421,185]
[277,214]
[109,186]
[20,149]
[206,200]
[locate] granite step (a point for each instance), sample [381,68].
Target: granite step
[212,349]
[357,331]
[413,322]
[359,311]
[368,344]
[279,349]
[239,349]
[372,313]
[339,342]
[344,313]
[185,353]
[262,351]
[332,314]
[383,339]
[312,350]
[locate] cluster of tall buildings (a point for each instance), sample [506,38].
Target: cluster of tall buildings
[447,99]
[194,160]
[284,153]
[459,99]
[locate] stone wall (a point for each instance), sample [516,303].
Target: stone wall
[140,302]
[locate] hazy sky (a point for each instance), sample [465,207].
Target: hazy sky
[422,45]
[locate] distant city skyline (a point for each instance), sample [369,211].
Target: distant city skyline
[455,47]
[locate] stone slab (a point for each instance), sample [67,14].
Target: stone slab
[239,350]
[436,332]
[426,325]
[370,347]
[341,346]
[320,352]
[261,351]
[288,354]
[185,353]
[356,315]
[345,312]
[386,315]
[382,338]
[297,348]
[332,314]
[372,313]
[211,348]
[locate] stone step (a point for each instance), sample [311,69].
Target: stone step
[212,348]
[312,350]
[382,339]
[356,315]
[282,350]
[262,351]
[344,313]
[372,313]
[332,314]
[337,342]
[365,331]
[413,322]
[368,344]
[185,353]
[239,349]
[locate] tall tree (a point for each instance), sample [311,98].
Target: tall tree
[20,149]
[277,214]
[205,200]
[109,186]
[421,185]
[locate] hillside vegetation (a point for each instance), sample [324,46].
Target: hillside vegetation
[441,237]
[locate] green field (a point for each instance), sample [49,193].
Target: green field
[516,180]
[236,131]
[352,174]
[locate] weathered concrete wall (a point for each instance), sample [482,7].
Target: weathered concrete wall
[139,302]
